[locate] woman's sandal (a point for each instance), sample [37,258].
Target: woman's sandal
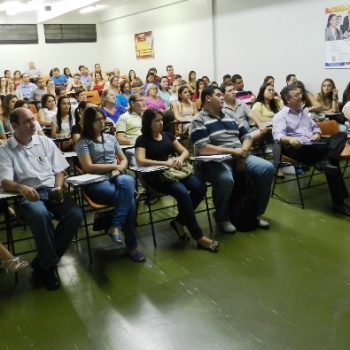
[136,256]
[213,247]
[14,265]
[175,226]
[116,238]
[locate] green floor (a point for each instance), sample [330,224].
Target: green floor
[285,288]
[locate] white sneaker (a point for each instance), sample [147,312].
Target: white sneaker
[226,226]
[263,223]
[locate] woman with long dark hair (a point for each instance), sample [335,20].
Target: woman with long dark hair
[100,153]
[155,147]
[61,126]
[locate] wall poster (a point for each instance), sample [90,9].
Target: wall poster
[144,45]
[337,36]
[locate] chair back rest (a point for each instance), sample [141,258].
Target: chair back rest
[329,127]
[93,97]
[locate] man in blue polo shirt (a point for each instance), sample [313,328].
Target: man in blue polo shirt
[215,131]
[58,78]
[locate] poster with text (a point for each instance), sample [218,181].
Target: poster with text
[144,45]
[337,36]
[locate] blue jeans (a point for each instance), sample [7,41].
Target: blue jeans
[130,156]
[119,193]
[188,194]
[221,175]
[51,242]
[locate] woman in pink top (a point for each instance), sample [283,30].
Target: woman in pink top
[152,100]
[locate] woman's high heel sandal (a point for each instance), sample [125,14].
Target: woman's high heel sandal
[213,246]
[14,265]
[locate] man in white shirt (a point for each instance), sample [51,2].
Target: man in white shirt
[33,166]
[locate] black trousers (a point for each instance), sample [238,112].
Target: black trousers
[328,149]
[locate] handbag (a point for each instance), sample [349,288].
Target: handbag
[173,174]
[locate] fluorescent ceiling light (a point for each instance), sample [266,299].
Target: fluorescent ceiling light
[14,7]
[92,8]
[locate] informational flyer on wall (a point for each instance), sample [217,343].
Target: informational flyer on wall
[337,36]
[144,45]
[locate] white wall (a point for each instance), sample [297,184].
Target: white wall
[182,35]
[46,56]
[274,37]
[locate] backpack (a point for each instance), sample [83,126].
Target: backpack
[243,204]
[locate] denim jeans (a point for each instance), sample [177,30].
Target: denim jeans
[221,175]
[188,194]
[130,156]
[119,193]
[51,242]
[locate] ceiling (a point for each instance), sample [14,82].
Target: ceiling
[68,11]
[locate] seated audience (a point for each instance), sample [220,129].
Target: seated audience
[75,85]
[67,73]
[163,91]
[135,82]
[327,98]
[3,86]
[17,77]
[206,80]
[291,79]
[8,107]
[113,85]
[174,90]
[33,166]
[241,111]
[196,97]
[8,75]
[26,87]
[170,74]
[215,131]
[184,109]
[108,107]
[33,72]
[100,153]
[266,106]
[301,138]
[98,69]
[11,89]
[191,84]
[61,127]
[24,104]
[79,120]
[37,94]
[48,111]
[245,96]
[152,99]
[121,100]
[50,86]
[154,147]
[85,77]
[129,125]
[98,83]
[58,78]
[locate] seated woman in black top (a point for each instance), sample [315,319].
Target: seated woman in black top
[154,147]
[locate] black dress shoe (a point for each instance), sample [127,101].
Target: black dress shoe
[49,278]
[327,167]
[342,209]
